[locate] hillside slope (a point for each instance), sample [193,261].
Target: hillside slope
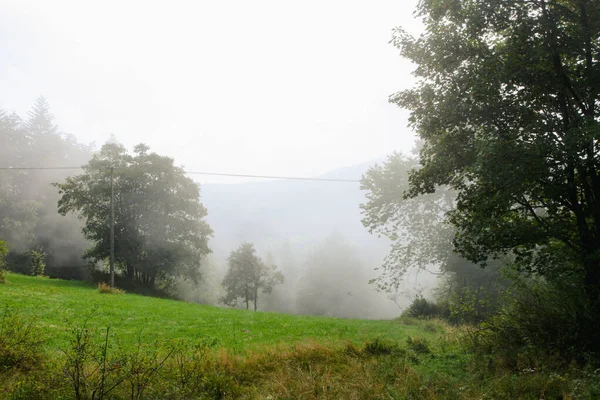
[55,304]
[258,355]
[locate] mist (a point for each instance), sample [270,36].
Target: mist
[288,101]
[311,230]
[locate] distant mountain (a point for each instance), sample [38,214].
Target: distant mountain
[290,221]
[301,213]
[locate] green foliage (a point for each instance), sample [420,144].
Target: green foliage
[350,360]
[381,347]
[27,198]
[544,317]
[93,373]
[38,263]
[3,253]
[191,361]
[160,231]
[247,276]
[418,345]
[20,343]
[470,305]
[422,241]
[506,106]
[422,308]
[420,238]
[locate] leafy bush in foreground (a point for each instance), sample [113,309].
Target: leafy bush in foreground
[541,317]
[20,346]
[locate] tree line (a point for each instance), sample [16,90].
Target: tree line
[159,221]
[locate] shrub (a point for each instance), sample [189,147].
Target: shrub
[469,306]
[418,345]
[38,264]
[20,345]
[189,365]
[107,289]
[553,318]
[381,347]
[3,252]
[422,308]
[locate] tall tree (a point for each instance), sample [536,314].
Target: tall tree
[18,212]
[420,239]
[41,120]
[506,103]
[247,276]
[160,231]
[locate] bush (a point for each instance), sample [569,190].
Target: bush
[20,346]
[38,264]
[3,252]
[553,318]
[422,308]
[379,347]
[418,345]
[469,306]
[107,289]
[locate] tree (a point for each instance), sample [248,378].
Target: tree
[160,232]
[421,240]
[506,103]
[247,276]
[28,217]
[38,264]
[18,212]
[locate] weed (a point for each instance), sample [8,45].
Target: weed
[189,362]
[418,345]
[20,345]
[381,347]
[143,364]
[107,289]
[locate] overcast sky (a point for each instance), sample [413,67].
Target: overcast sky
[262,87]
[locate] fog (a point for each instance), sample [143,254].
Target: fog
[236,88]
[265,87]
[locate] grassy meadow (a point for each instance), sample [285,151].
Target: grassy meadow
[54,304]
[166,349]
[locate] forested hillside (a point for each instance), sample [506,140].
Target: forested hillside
[28,202]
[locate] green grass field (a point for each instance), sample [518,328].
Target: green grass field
[258,355]
[55,304]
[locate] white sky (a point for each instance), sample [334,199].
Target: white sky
[262,87]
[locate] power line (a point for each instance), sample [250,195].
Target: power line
[35,168]
[293,178]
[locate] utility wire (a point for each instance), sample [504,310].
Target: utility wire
[294,178]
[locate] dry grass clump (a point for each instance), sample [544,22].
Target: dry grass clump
[104,288]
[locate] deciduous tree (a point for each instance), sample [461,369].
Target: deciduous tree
[160,231]
[506,103]
[247,276]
